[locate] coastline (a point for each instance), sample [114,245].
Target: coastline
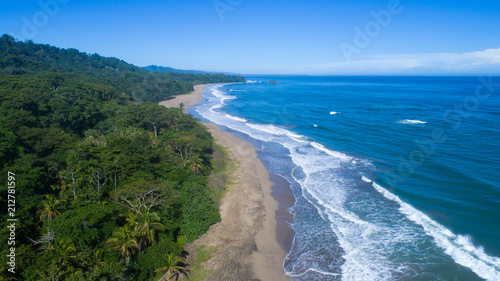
[189,100]
[247,237]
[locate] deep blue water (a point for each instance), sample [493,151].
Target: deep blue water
[395,178]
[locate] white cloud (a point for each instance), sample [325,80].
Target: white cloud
[487,61]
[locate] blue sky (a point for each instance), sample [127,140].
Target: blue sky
[272,37]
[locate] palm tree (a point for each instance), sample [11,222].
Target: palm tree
[195,164]
[124,242]
[98,255]
[49,209]
[132,220]
[147,227]
[65,249]
[173,267]
[181,108]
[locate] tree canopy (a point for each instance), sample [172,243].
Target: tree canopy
[106,181]
[18,58]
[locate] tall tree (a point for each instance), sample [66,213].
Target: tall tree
[195,163]
[50,208]
[65,250]
[142,196]
[124,242]
[149,225]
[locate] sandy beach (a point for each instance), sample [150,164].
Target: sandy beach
[188,100]
[248,248]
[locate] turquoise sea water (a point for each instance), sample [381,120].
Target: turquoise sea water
[395,178]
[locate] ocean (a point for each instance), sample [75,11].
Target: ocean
[394,178]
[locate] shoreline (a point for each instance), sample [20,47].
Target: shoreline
[189,100]
[252,219]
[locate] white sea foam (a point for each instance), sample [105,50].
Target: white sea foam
[365,179]
[365,257]
[314,270]
[275,130]
[335,154]
[411,122]
[221,94]
[315,126]
[235,118]
[459,247]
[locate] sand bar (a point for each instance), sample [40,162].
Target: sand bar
[248,248]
